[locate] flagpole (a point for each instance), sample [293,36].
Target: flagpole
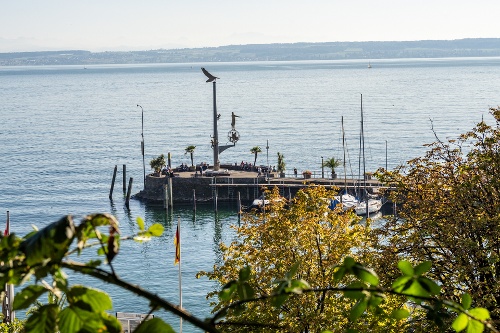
[180,275]
[9,315]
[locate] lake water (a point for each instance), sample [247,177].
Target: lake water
[64,128]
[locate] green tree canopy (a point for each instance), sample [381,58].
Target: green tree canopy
[306,231]
[449,213]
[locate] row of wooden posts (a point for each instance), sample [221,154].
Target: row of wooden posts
[129,191]
[167,190]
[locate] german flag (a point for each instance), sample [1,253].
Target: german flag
[177,243]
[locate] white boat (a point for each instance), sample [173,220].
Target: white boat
[374,205]
[369,65]
[348,201]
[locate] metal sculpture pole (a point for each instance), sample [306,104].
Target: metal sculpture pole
[216,134]
[142,146]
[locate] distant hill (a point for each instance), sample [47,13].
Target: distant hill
[473,47]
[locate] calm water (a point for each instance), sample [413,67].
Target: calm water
[64,128]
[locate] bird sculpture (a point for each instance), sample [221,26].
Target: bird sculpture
[233,119]
[210,76]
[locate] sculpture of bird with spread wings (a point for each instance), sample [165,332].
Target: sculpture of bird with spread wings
[210,76]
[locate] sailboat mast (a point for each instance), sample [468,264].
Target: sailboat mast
[343,147]
[364,160]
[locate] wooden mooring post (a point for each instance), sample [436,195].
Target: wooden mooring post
[124,178]
[129,191]
[113,183]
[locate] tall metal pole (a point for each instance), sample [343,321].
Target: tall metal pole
[216,135]
[142,145]
[322,168]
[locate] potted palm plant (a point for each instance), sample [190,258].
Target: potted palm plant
[281,165]
[332,163]
[255,150]
[157,164]
[190,150]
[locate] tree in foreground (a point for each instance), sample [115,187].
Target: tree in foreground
[312,238]
[307,275]
[449,213]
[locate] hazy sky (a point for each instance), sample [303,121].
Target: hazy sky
[99,25]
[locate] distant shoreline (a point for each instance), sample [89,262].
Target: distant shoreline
[471,47]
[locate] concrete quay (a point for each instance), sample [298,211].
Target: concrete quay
[228,185]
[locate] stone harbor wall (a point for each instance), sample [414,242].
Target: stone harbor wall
[182,189]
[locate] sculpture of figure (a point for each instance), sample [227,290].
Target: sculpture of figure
[233,119]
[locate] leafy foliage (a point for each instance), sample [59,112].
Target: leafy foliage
[290,249]
[331,163]
[43,254]
[158,163]
[449,215]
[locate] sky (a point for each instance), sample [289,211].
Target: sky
[127,25]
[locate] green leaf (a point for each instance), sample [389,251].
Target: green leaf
[140,223]
[365,274]
[406,268]
[28,296]
[279,300]
[73,318]
[297,286]
[423,267]
[154,325]
[475,326]
[244,274]
[349,262]
[228,290]
[480,313]
[293,270]
[416,289]
[245,291]
[97,300]
[112,324]
[432,287]
[400,314]
[401,283]
[156,230]
[357,310]
[51,242]
[355,294]
[43,320]
[340,273]
[466,301]
[460,323]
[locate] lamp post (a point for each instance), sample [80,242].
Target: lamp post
[142,145]
[322,168]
